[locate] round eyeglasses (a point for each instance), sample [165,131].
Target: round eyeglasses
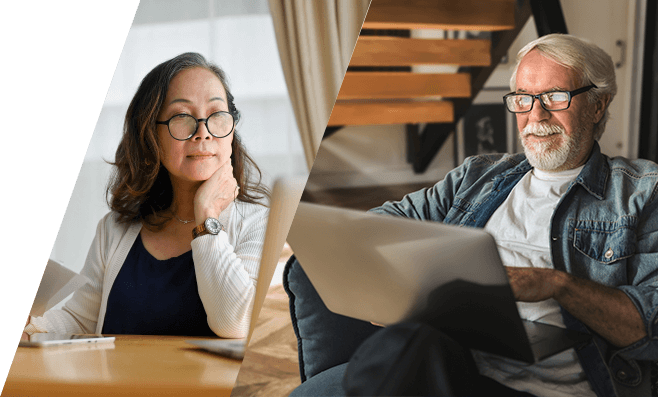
[551,100]
[184,126]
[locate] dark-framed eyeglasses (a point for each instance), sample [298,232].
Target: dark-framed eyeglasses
[552,100]
[184,126]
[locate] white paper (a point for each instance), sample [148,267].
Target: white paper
[57,283]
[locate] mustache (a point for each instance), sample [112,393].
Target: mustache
[542,129]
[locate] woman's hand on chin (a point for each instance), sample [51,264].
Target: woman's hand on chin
[215,194]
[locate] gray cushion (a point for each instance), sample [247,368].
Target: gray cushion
[324,339]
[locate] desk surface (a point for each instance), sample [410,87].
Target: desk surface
[133,365]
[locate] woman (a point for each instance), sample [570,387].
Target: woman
[179,253]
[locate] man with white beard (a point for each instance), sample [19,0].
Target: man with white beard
[576,230]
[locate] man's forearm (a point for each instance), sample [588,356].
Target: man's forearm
[606,310]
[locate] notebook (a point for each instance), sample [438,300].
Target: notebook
[386,269]
[285,197]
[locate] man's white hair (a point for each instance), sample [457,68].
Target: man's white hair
[591,62]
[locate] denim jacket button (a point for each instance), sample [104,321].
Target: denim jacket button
[621,375]
[609,253]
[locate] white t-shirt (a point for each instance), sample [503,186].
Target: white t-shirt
[521,228]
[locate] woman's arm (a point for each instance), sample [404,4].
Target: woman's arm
[227,270]
[80,313]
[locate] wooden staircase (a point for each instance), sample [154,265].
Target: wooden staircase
[381,88]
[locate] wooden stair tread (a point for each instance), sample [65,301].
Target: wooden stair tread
[402,85]
[401,51]
[390,112]
[487,15]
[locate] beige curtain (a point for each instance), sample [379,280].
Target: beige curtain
[315,40]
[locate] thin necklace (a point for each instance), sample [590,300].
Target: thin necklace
[182,221]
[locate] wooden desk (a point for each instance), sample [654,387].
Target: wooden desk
[133,365]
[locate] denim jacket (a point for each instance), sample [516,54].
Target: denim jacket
[604,228]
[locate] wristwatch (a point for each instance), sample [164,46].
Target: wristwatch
[210,226]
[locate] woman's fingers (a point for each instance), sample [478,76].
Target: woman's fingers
[215,194]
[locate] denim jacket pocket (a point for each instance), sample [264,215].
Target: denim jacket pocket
[605,241]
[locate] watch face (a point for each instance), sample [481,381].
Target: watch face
[213,226]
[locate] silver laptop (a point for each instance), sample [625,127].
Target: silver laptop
[285,197]
[388,269]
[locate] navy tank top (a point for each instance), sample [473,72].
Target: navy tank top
[154,297]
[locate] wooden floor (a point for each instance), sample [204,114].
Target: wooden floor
[362,198]
[270,366]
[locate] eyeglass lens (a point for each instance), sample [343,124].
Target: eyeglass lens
[183,126]
[557,100]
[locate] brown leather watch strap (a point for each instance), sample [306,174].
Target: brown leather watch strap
[199,230]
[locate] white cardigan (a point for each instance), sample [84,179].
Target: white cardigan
[226,268]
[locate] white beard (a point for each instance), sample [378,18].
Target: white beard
[540,154]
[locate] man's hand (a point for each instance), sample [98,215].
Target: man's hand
[531,284]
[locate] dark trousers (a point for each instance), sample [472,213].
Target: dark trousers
[407,359]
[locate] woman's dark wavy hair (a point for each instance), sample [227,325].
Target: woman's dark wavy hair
[140,188]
